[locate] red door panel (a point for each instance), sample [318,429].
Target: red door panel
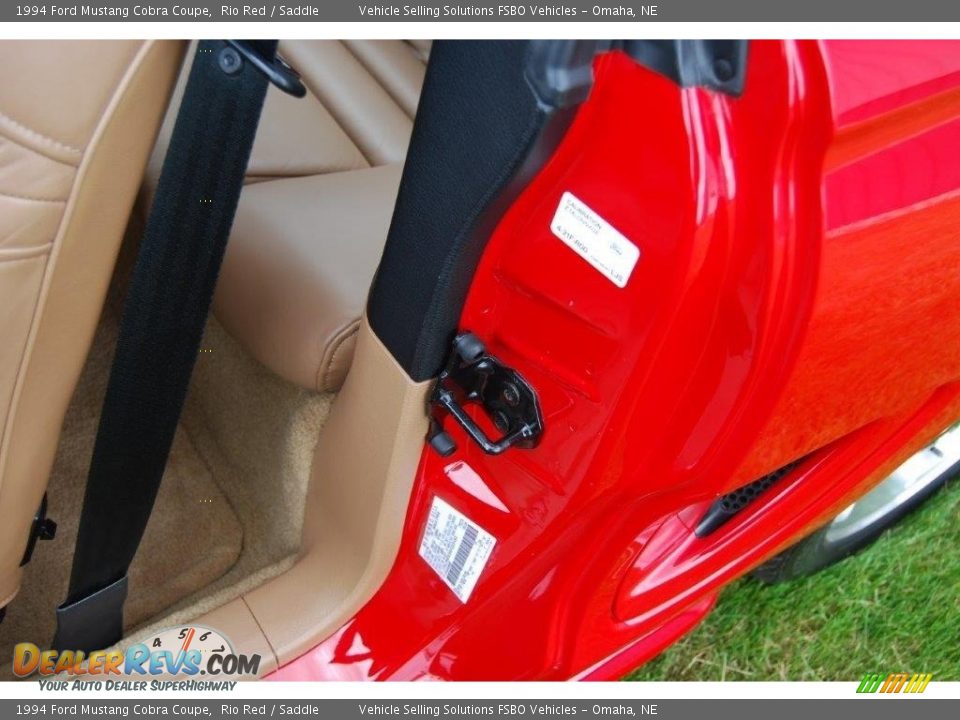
[781,308]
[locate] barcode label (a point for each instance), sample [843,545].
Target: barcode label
[455,547]
[463,552]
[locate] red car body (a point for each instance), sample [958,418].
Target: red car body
[797,296]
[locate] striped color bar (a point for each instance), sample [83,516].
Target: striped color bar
[894,683]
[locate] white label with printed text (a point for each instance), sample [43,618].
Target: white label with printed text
[594,239]
[455,547]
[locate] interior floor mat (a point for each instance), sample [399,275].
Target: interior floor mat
[193,537]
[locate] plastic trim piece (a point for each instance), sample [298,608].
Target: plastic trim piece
[84,624]
[560,73]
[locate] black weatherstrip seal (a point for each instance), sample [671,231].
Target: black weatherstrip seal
[491,114]
[475,126]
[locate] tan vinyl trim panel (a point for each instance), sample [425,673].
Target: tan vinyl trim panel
[77,121]
[363,472]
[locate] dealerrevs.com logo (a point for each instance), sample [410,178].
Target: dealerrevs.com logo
[180,652]
[910,683]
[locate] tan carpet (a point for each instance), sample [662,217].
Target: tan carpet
[230,508]
[193,536]
[257,432]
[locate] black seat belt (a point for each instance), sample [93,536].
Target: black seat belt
[163,319]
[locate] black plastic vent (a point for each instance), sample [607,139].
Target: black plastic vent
[733,502]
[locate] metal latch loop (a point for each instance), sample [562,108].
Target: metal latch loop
[474,377]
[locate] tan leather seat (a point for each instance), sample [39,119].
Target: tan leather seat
[312,221]
[77,120]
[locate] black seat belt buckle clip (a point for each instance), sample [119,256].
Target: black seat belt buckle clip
[276,69]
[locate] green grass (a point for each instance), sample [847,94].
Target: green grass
[893,607]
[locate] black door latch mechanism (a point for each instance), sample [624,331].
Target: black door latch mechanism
[473,376]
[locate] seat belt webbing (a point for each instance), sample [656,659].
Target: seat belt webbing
[163,319]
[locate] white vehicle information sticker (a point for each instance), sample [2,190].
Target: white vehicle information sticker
[594,239]
[456,548]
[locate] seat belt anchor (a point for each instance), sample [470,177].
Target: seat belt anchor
[93,622]
[276,69]
[42,528]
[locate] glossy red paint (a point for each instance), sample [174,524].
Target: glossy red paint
[798,272]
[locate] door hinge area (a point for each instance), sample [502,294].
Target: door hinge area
[472,376]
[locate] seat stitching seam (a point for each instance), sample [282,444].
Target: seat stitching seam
[342,118]
[24,253]
[35,151]
[338,342]
[347,333]
[380,81]
[31,198]
[40,136]
[40,301]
